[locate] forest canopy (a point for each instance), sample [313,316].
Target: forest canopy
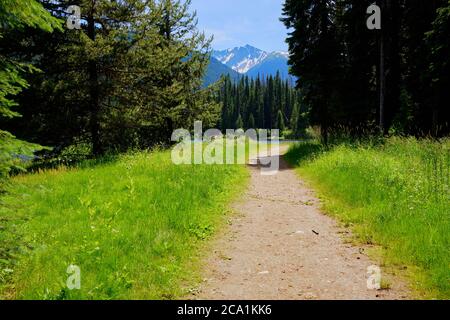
[134,72]
[126,79]
[393,80]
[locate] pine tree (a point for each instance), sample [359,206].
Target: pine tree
[314,57]
[17,14]
[280,124]
[355,79]
[251,122]
[294,121]
[258,102]
[439,67]
[358,99]
[239,123]
[130,76]
[389,68]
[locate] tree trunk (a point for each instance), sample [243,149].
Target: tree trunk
[97,148]
[389,63]
[382,85]
[324,134]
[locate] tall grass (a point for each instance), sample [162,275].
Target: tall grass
[396,194]
[134,226]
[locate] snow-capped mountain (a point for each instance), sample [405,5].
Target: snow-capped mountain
[253,61]
[241,59]
[216,70]
[275,62]
[249,61]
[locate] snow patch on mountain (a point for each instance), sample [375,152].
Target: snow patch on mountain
[245,65]
[252,62]
[241,59]
[227,58]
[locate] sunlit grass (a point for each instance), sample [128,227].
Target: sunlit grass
[134,225]
[396,195]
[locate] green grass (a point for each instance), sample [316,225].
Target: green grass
[395,194]
[135,226]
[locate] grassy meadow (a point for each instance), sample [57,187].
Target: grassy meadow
[395,194]
[134,224]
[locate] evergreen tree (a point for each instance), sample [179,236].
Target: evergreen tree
[239,123]
[314,57]
[295,117]
[358,104]
[389,68]
[131,75]
[439,68]
[280,121]
[17,14]
[251,122]
[355,79]
[258,102]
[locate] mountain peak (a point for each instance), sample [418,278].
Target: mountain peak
[247,46]
[241,59]
[252,61]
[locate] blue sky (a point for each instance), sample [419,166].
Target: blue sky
[240,22]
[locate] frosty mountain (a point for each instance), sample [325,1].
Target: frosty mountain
[249,61]
[241,59]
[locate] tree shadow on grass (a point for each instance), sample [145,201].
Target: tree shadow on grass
[303,152]
[71,162]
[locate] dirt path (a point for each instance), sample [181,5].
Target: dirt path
[280,246]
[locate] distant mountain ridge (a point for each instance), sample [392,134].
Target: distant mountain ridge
[241,59]
[274,62]
[247,60]
[216,70]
